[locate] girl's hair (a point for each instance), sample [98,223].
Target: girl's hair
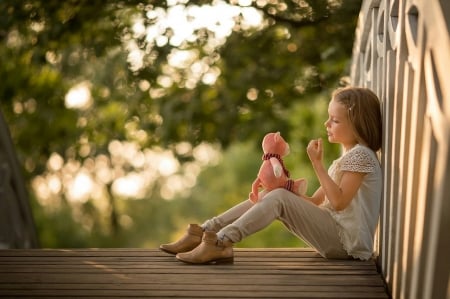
[364,113]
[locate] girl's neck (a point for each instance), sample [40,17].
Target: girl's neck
[347,147]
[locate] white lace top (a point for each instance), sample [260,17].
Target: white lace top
[358,221]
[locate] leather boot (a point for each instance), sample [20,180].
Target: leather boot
[210,251]
[191,239]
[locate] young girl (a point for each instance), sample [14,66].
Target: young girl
[338,220]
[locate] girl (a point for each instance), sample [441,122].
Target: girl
[338,220]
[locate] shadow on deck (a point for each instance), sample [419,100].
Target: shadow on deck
[113,273]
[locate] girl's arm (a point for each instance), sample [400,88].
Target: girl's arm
[340,195]
[317,198]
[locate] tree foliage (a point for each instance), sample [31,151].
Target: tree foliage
[159,92]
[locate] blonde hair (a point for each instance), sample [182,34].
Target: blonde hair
[364,113]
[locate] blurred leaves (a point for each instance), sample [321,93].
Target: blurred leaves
[161,93]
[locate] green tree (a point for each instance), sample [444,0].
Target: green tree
[145,85]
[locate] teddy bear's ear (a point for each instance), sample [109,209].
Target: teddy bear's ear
[277,136]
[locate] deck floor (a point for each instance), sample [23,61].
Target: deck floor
[139,273]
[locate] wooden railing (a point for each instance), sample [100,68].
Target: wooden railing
[402,52]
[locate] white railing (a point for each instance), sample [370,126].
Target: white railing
[402,52]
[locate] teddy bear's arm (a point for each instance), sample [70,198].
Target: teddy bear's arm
[277,167]
[255,190]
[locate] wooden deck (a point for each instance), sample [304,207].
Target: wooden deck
[114,273]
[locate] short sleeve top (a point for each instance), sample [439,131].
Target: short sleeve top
[357,222]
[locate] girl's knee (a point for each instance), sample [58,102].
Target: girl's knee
[278,193]
[276,196]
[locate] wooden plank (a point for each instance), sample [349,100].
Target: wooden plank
[197,294]
[191,287]
[173,278]
[268,269]
[113,273]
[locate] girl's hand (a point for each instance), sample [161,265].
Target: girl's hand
[315,151]
[340,195]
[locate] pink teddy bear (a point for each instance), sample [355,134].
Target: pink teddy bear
[272,173]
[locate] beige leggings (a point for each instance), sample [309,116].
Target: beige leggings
[311,223]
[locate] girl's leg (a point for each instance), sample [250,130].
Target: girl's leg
[218,222]
[313,224]
[193,236]
[210,249]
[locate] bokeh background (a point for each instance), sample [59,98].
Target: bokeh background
[132,119]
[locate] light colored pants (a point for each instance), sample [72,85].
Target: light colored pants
[311,223]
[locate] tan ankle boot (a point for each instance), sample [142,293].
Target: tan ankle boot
[210,251]
[191,239]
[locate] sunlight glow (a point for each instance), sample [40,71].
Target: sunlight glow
[54,184]
[245,2]
[131,186]
[138,28]
[79,96]
[135,56]
[55,162]
[252,94]
[133,172]
[80,182]
[182,58]
[80,188]
[206,153]
[180,23]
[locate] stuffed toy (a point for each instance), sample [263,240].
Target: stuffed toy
[272,173]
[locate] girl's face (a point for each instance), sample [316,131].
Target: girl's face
[338,126]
